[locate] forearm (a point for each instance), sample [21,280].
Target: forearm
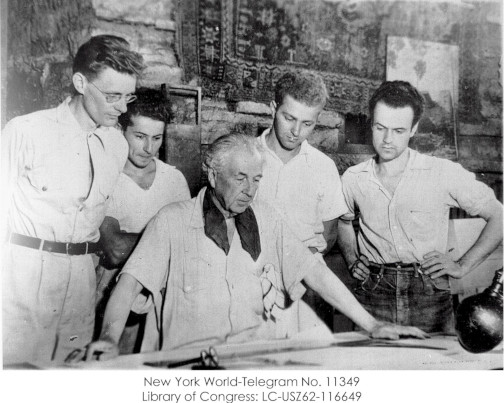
[118,307]
[347,241]
[487,242]
[334,292]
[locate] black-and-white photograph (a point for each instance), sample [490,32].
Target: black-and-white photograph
[310,187]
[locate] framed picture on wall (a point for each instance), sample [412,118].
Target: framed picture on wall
[433,68]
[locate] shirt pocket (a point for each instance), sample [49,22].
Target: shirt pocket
[197,275]
[46,176]
[420,224]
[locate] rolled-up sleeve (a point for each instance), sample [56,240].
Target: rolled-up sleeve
[465,191]
[333,204]
[149,263]
[347,190]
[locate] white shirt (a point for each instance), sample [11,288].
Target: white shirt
[133,206]
[212,298]
[412,222]
[306,191]
[54,192]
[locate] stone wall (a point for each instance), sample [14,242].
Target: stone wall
[43,36]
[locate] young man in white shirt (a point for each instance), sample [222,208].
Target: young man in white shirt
[144,187]
[301,182]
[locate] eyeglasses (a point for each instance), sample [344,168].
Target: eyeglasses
[111,98]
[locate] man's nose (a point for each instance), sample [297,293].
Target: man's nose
[121,105]
[148,146]
[387,137]
[249,188]
[296,129]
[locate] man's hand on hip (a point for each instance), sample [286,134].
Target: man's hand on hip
[358,269]
[438,264]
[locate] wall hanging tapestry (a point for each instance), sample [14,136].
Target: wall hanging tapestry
[239,48]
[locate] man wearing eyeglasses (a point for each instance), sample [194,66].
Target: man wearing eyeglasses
[402,199]
[59,167]
[229,264]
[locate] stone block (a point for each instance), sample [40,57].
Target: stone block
[476,165]
[148,12]
[210,103]
[218,115]
[160,74]
[254,108]
[485,149]
[492,127]
[326,140]
[330,119]
[210,131]
[156,46]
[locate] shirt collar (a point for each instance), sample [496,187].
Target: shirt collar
[304,150]
[416,161]
[65,116]
[212,220]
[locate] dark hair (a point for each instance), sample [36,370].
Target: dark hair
[217,154]
[398,94]
[103,51]
[305,87]
[150,103]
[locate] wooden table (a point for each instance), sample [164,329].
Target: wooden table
[343,351]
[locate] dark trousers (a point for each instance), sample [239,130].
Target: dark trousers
[408,298]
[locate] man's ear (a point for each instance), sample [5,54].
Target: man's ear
[212,176]
[79,82]
[273,107]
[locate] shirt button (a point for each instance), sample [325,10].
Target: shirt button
[44,188]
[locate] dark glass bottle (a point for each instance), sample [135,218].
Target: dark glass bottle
[478,322]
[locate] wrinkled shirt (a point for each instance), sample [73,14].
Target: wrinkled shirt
[414,220]
[306,191]
[54,192]
[212,298]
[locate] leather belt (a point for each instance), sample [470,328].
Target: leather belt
[55,247]
[394,267]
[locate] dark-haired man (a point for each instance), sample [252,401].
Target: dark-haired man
[59,166]
[145,185]
[402,199]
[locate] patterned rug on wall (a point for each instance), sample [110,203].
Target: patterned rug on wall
[239,48]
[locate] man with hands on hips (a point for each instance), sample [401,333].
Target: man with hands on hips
[402,199]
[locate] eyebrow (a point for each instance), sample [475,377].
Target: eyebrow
[393,128]
[293,117]
[145,134]
[244,174]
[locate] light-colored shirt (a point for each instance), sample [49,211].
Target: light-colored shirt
[414,220]
[54,193]
[212,298]
[133,206]
[306,191]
